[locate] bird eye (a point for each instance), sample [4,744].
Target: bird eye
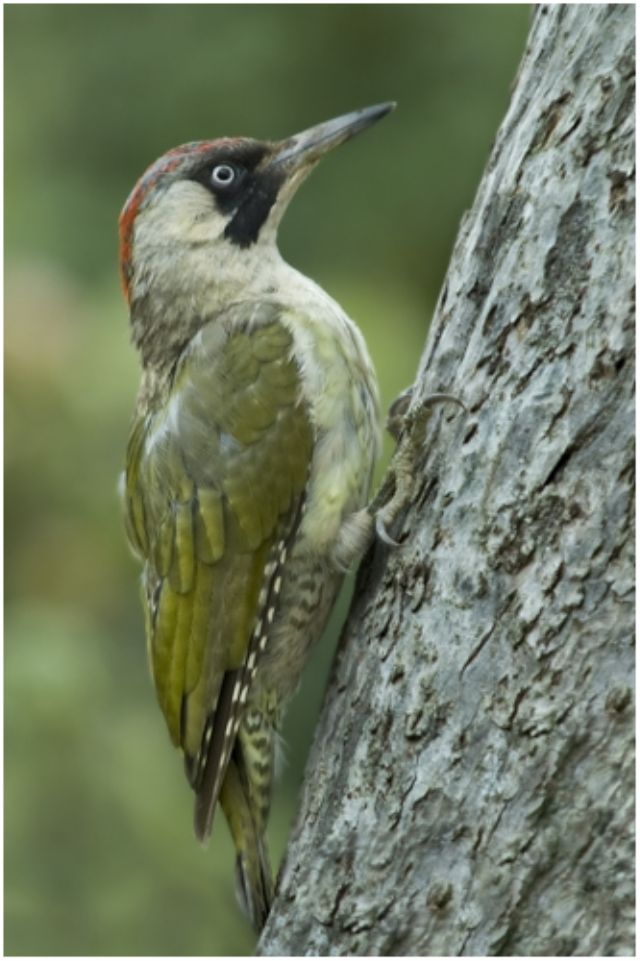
[223,175]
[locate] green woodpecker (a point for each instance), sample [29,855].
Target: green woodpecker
[248,465]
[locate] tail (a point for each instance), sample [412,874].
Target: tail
[254,878]
[254,885]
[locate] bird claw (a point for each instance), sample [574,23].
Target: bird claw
[407,426]
[431,399]
[381,531]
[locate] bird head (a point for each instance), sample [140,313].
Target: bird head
[197,216]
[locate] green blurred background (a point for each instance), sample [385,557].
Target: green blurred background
[100,856]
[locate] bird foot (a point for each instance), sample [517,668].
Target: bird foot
[407,425]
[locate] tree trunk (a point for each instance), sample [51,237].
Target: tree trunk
[470,788]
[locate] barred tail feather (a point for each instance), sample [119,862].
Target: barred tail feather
[254,884]
[254,878]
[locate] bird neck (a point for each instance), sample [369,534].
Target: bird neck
[179,291]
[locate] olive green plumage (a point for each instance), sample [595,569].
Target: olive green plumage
[215,479]
[248,465]
[200,514]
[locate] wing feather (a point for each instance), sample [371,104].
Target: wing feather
[214,490]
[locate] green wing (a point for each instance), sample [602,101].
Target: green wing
[215,481]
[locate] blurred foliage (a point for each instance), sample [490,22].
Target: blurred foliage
[100,857]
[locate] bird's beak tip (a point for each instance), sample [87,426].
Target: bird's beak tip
[307,147]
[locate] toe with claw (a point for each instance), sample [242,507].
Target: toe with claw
[407,425]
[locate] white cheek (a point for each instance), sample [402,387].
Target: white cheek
[186,213]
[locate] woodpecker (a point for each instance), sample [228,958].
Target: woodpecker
[249,461]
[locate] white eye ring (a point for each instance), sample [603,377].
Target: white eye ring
[223,175]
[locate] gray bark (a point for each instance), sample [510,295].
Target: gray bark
[470,788]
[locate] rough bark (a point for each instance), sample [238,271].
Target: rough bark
[470,788]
